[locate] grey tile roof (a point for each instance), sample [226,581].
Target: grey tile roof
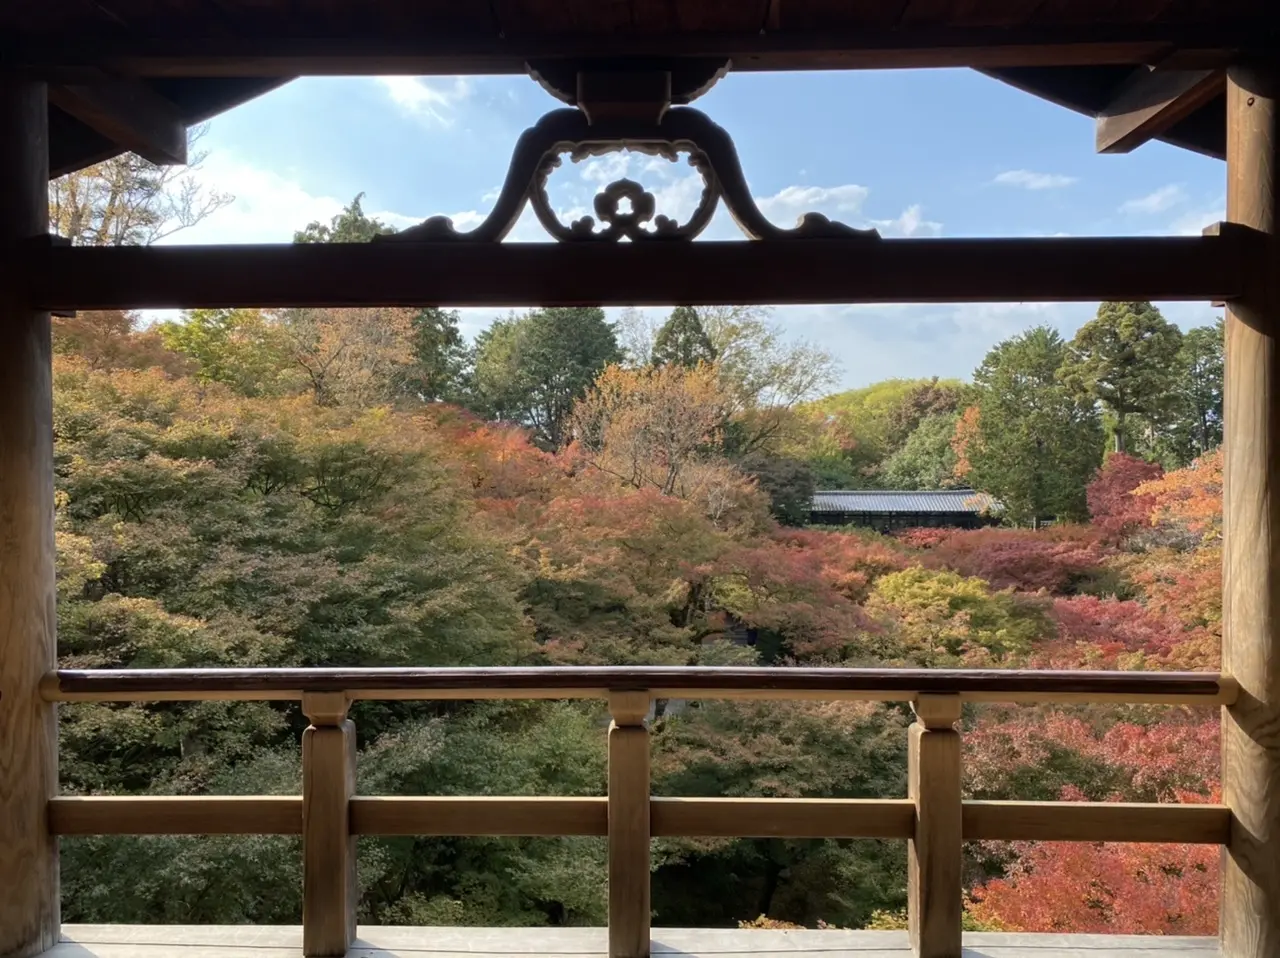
[884,500]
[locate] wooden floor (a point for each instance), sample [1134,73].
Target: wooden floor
[240,941]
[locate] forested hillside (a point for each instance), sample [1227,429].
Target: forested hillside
[340,487]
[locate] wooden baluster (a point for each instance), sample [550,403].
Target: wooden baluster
[934,892]
[1251,514]
[628,825]
[28,726]
[328,847]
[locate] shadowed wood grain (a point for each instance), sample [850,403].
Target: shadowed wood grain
[628,814]
[1251,516]
[1197,268]
[329,889]
[28,726]
[781,818]
[479,816]
[1096,822]
[175,815]
[935,849]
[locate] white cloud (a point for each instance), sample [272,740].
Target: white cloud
[269,207]
[1162,199]
[433,98]
[1027,180]
[796,200]
[909,223]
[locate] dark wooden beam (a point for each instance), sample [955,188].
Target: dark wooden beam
[1150,102]
[651,273]
[442,53]
[129,114]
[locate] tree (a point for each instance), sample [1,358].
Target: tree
[925,460]
[1127,359]
[682,340]
[1197,426]
[764,375]
[129,201]
[438,350]
[1113,507]
[114,339]
[651,427]
[531,369]
[440,355]
[1038,442]
[240,348]
[788,483]
[349,226]
[933,397]
[352,357]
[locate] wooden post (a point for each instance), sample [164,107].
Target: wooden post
[29,916]
[934,893]
[1250,926]
[328,847]
[628,825]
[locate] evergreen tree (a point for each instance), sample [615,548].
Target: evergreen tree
[682,340]
[532,369]
[1198,426]
[349,226]
[1126,359]
[1038,441]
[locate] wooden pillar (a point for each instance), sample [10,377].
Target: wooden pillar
[328,847]
[1251,514]
[28,645]
[628,826]
[934,892]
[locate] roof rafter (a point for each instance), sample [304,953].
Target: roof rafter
[1150,102]
[129,114]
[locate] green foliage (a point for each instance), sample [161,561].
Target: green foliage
[1196,428]
[788,483]
[349,226]
[925,460]
[682,340]
[240,348]
[1126,359]
[440,355]
[532,368]
[1038,443]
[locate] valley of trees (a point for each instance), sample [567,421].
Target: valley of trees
[365,488]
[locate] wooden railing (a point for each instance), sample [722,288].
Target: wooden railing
[933,818]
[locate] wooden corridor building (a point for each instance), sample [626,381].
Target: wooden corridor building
[83,79]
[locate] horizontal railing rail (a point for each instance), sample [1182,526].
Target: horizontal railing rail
[933,818]
[971,685]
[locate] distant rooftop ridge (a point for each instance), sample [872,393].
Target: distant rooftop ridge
[904,500]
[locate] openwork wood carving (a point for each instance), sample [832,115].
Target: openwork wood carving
[682,130]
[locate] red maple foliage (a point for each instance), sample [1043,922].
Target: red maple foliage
[1106,633]
[924,537]
[1055,560]
[1113,506]
[1103,887]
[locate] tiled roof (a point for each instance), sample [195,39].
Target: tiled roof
[878,500]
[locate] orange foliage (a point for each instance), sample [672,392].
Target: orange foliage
[965,435]
[1190,497]
[1054,559]
[1081,888]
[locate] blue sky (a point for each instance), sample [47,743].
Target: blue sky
[914,153]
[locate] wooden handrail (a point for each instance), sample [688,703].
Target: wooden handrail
[975,685]
[933,818]
[527,816]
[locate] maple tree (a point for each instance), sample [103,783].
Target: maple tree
[1113,506]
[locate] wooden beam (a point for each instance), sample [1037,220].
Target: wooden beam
[129,114]
[1151,102]
[782,817]
[329,891]
[935,857]
[440,52]
[29,922]
[175,815]
[1250,923]
[709,682]
[642,274]
[629,828]
[1096,822]
[469,816]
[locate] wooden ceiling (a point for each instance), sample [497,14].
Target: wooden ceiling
[204,56]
